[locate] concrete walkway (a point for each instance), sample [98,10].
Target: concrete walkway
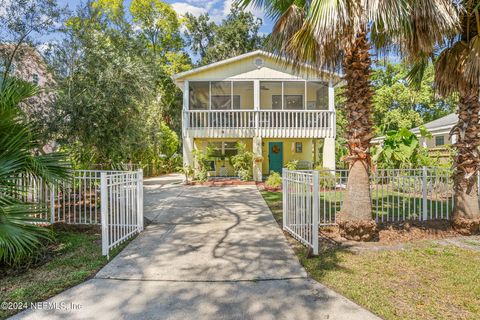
[210,253]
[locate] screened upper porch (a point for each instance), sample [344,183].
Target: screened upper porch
[270,95]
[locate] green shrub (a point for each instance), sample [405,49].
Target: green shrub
[274,180]
[291,165]
[202,162]
[242,162]
[326,178]
[188,171]
[20,237]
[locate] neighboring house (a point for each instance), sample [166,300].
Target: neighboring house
[27,65]
[30,66]
[440,130]
[281,115]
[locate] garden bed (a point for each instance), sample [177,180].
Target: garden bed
[75,256]
[412,272]
[395,233]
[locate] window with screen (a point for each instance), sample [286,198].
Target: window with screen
[199,95]
[35,78]
[215,149]
[317,95]
[439,141]
[230,148]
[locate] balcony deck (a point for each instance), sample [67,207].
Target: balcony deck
[262,123]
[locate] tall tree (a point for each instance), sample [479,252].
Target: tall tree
[158,26]
[457,70]
[238,33]
[399,104]
[116,99]
[21,22]
[329,35]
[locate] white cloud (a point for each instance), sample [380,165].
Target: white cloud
[215,8]
[227,5]
[182,8]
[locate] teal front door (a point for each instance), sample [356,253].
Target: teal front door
[275,156]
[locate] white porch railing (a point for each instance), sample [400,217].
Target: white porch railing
[312,198]
[274,123]
[113,199]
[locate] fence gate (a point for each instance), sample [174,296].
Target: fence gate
[112,199]
[312,198]
[300,206]
[121,207]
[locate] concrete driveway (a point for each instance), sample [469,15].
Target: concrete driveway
[210,253]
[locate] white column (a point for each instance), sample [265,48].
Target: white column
[329,143]
[256,94]
[331,96]
[257,151]
[423,141]
[187,151]
[186,101]
[329,153]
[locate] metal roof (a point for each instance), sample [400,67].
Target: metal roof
[240,57]
[441,123]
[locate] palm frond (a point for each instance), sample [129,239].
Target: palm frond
[19,235]
[19,145]
[449,68]
[417,71]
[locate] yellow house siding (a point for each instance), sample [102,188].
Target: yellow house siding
[201,144]
[289,153]
[245,69]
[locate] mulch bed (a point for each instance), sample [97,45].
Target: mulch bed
[392,234]
[261,186]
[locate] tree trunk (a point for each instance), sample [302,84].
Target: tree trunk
[355,217]
[466,211]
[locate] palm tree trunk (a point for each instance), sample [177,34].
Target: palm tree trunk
[466,211]
[355,217]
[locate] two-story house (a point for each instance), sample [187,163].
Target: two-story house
[281,115]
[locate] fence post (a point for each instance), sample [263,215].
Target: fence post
[140,199]
[315,211]
[104,212]
[52,204]
[284,198]
[424,193]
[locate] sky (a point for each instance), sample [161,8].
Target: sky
[217,9]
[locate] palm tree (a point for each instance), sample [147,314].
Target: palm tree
[19,235]
[340,34]
[457,71]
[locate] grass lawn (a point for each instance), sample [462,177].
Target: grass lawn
[77,256]
[391,205]
[427,281]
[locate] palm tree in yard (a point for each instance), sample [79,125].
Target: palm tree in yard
[19,144]
[457,71]
[333,35]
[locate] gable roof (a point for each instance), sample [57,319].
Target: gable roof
[445,122]
[247,55]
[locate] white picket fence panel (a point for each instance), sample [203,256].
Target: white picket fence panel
[312,198]
[121,207]
[112,199]
[300,206]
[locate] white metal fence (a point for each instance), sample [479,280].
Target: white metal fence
[313,197]
[300,206]
[112,199]
[121,207]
